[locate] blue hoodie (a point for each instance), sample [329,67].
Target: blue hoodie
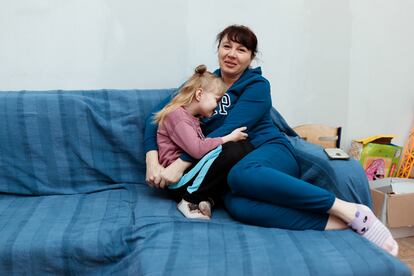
[246,103]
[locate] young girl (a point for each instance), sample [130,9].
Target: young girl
[179,131]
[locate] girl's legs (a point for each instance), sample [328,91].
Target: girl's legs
[187,208]
[267,191]
[214,184]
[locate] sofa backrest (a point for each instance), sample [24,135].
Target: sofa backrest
[64,142]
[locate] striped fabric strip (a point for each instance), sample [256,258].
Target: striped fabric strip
[200,169]
[376,233]
[10,235]
[66,234]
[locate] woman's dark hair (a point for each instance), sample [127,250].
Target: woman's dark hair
[240,34]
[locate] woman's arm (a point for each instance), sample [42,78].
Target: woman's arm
[154,168]
[150,130]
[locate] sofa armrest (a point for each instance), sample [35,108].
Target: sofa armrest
[345,178]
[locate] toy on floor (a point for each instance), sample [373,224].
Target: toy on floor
[407,160]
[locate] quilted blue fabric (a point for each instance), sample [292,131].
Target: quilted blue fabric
[73,200]
[345,178]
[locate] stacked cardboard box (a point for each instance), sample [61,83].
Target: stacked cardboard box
[393,204]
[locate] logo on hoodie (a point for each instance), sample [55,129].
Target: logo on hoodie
[223,105]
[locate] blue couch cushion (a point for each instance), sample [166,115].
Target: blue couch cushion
[345,178]
[85,234]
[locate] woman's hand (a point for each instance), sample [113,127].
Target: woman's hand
[154,170]
[173,172]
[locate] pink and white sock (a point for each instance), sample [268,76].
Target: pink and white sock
[369,226]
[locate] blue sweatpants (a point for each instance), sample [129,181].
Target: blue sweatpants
[266,191]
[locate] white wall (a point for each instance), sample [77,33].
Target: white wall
[381,86]
[50,44]
[342,63]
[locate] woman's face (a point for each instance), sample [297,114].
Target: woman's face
[233,57]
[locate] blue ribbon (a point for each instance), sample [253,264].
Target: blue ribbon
[201,168]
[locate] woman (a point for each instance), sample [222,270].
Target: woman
[265,186]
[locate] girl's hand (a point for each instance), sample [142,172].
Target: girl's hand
[154,169]
[235,135]
[173,172]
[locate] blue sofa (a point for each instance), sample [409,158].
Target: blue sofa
[73,200]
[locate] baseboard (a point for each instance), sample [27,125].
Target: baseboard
[402,232]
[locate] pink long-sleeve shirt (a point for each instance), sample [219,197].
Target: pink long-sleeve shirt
[180,132]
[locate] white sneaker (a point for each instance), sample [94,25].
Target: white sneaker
[190,210]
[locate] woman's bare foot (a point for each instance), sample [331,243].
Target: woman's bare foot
[335,223]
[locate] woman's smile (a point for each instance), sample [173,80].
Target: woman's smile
[230,63]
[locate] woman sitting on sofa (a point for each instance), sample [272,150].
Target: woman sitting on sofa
[265,188]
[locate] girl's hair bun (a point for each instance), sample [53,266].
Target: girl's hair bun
[201,69]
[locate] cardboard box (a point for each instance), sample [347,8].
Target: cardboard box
[377,155]
[393,204]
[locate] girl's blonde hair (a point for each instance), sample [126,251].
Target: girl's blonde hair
[201,79]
